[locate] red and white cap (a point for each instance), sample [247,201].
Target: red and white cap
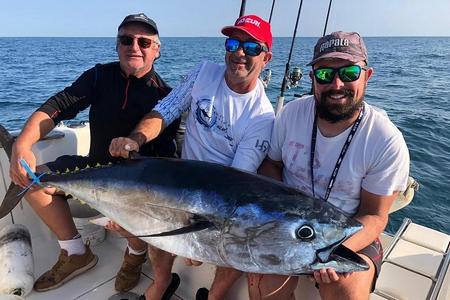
[254,26]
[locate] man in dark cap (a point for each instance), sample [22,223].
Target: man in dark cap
[335,147]
[119,94]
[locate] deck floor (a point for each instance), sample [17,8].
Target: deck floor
[97,283]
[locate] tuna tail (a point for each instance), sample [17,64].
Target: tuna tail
[6,141]
[11,197]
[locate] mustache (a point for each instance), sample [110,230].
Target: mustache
[344,92]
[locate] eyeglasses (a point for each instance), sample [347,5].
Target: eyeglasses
[142,41]
[346,74]
[249,48]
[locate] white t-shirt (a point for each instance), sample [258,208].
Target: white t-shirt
[222,126]
[377,159]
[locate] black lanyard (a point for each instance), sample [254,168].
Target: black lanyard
[340,158]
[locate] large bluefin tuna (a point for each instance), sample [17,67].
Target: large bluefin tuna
[217,214]
[213,213]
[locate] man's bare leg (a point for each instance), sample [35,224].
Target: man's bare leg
[271,287]
[53,210]
[162,263]
[223,280]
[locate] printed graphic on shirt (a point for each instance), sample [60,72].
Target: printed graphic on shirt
[206,115]
[262,145]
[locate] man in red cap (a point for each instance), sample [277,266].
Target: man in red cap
[229,122]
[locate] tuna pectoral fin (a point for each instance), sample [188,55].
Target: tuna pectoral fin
[197,226]
[6,141]
[11,199]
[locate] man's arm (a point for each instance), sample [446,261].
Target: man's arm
[255,142]
[154,122]
[147,129]
[271,168]
[37,126]
[373,213]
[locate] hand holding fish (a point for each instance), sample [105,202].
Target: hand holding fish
[17,173]
[328,276]
[122,146]
[191,262]
[111,225]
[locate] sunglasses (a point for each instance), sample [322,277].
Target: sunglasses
[346,74]
[249,48]
[142,41]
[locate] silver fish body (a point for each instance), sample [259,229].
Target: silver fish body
[217,214]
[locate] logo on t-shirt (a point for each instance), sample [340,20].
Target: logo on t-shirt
[206,113]
[262,145]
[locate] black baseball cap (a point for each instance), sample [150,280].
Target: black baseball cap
[140,18]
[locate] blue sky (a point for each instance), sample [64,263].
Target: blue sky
[100,18]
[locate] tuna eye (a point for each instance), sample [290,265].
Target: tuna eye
[305,232]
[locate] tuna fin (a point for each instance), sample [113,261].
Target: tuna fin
[6,141]
[11,199]
[197,226]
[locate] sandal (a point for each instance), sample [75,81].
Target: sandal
[174,284]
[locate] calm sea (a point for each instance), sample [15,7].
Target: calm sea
[411,82]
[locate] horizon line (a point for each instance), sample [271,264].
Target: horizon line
[368,36]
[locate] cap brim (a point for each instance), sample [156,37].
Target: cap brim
[153,28]
[228,31]
[338,55]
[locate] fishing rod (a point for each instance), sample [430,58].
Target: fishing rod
[271,11]
[326,21]
[242,12]
[287,74]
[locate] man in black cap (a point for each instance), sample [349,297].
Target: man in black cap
[334,146]
[119,94]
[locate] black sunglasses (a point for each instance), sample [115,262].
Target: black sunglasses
[143,42]
[346,74]
[249,47]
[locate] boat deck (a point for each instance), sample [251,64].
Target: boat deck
[413,268]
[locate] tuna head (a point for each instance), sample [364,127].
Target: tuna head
[291,243]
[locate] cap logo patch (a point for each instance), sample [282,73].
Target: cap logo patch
[334,43]
[141,16]
[249,20]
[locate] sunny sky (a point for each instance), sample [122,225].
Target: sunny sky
[100,18]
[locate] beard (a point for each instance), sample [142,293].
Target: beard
[336,112]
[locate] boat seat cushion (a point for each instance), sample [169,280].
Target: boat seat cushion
[400,283]
[417,258]
[427,237]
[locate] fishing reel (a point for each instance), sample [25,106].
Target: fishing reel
[265,77]
[294,77]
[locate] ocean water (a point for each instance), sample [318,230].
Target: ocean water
[411,82]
